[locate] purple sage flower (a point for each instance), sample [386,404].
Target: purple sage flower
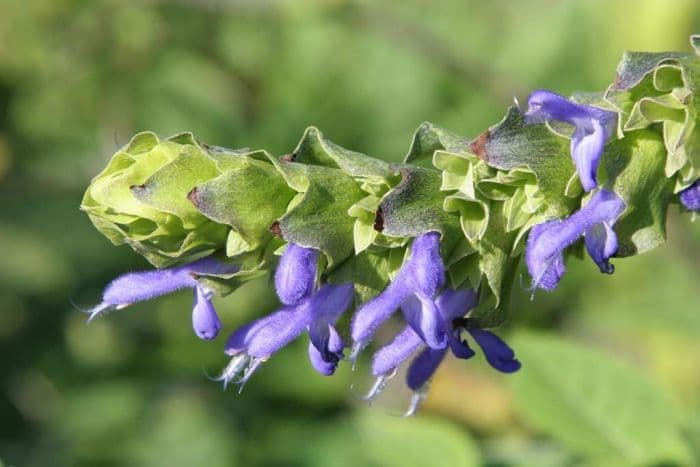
[547,241]
[140,286]
[304,310]
[690,197]
[452,305]
[413,290]
[593,127]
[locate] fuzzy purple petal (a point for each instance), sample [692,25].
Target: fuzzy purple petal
[295,275]
[205,321]
[267,335]
[455,303]
[547,241]
[587,145]
[425,264]
[423,367]
[601,244]
[389,357]
[321,365]
[497,352]
[373,313]
[327,305]
[690,197]
[422,314]
[145,285]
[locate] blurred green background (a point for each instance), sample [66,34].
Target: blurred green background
[611,365]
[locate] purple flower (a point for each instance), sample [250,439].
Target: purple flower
[690,197]
[140,286]
[452,305]
[413,290]
[593,127]
[547,241]
[304,310]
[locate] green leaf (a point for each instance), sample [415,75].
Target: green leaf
[595,404]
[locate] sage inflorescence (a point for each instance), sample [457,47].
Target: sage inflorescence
[349,239]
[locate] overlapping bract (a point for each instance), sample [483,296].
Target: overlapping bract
[439,236]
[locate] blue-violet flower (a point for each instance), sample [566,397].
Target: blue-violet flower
[304,310]
[140,286]
[547,241]
[690,197]
[593,127]
[415,286]
[453,305]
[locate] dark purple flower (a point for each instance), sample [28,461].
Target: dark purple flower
[690,197]
[593,127]
[453,305]
[140,286]
[413,290]
[305,310]
[547,241]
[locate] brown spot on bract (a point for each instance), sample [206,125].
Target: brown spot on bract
[379,220]
[478,146]
[288,157]
[276,229]
[192,196]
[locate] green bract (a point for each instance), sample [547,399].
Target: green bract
[140,199]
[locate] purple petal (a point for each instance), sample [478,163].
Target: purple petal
[455,303]
[326,306]
[546,271]
[205,321]
[265,336]
[460,348]
[690,197]
[587,145]
[425,265]
[593,127]
[547,241]
[145,285]
[322,366]
[389,357]
[373,313]
[545,105]
[423,316]
[296,273]
[497,352]
[423,367]
[601,243]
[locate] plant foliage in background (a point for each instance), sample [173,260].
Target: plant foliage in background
[76,79]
